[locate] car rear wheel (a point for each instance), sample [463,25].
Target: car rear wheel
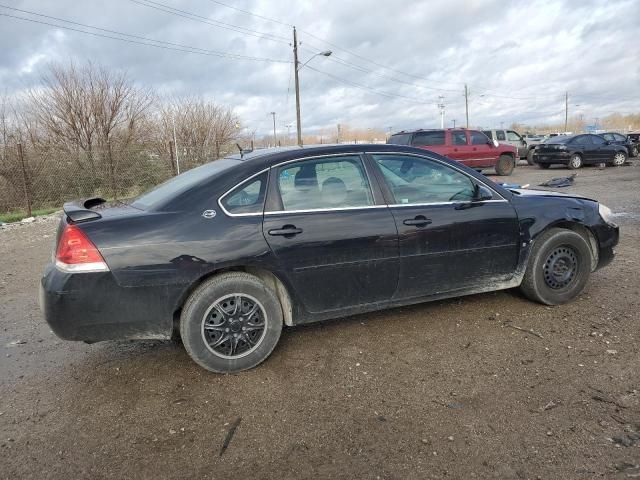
[575,162]
[619,159]
[231,323]
[559,267]
[634,151]
[505,165]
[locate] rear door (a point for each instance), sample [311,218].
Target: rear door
[447,241]
[335,239]
[482,153]
[459,148]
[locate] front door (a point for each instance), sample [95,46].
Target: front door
[338,245]
[447,240]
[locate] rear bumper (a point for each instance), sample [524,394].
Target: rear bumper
[551,158]
[93,307]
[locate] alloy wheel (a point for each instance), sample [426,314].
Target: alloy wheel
[234,326]
[576,161]
[619,159]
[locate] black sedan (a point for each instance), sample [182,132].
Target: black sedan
[229,252]
[616,138]
[574,151]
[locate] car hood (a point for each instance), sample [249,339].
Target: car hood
[525,192]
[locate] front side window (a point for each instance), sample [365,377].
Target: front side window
[247,197]
[619,138]
[478,138]
[608,136]
[500,135]
[328,183]
[513,136]
[458,137]
[415,180]
[596,140]
[428,138]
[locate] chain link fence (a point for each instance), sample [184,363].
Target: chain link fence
[43,178]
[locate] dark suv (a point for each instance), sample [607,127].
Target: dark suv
[615,138]
[470,147]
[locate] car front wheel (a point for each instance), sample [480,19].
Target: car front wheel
[231,323]
[558,268]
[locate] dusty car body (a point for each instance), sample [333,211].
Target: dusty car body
[229,252]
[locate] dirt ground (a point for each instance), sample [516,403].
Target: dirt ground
[440,390]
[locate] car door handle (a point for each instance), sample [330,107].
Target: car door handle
[419,221]
[286,231]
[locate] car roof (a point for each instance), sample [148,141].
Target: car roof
[271,156]
[417,130]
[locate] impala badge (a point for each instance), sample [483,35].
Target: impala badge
[209,213]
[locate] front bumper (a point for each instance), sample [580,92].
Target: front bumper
[93,307]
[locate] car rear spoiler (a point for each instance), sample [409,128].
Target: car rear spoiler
[78,212]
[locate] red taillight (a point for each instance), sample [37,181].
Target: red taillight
[76,253]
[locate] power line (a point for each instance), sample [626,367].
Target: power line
[366,88]
[216,23]
[140,40]
[251,13]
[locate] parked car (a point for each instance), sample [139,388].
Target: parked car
[532,142]
[619,139]
[469,147]
[229,252]
[634,138]
[574,151]
[509,137]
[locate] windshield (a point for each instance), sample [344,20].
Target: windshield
[176,185]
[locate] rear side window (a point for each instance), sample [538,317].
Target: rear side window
[428,138]
[488,133]
[247,197]
[478,138]
[400,139]
[582,140]
[321,184]
[458,137]
[500,136]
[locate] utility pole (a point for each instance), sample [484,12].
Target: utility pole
[297,80]
[338,139]
[275,138]
[466,103]
[454,123]
[566,110]
[441,107]
[175,142]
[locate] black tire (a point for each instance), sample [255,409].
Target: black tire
[575,161]
[530,157]
[634,151]
[201,305]
[544,166]
[546,281]
[505,165]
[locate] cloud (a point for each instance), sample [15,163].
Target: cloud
[391,60]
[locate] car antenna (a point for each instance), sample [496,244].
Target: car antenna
[242,152]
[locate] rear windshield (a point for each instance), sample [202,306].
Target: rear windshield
[400,139]
[183,182]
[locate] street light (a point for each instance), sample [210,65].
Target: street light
[299,66]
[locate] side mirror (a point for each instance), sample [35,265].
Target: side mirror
[482,193]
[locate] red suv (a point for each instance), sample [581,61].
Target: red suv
[470,147]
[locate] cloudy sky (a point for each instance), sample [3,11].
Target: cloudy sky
[391,60]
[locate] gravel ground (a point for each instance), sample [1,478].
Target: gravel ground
[440,390]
